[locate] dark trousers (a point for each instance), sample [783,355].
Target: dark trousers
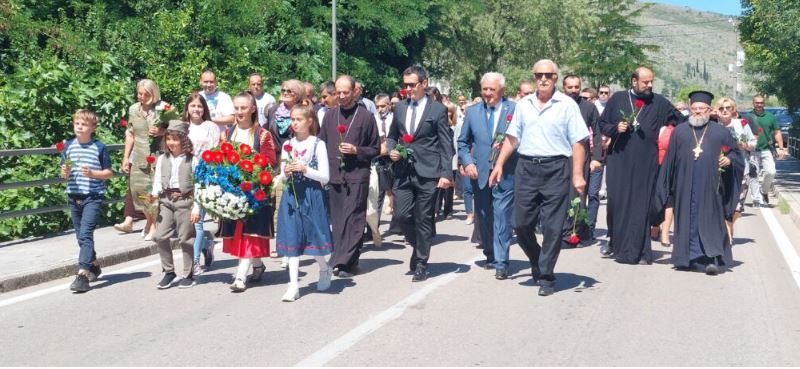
[541,189]
[348,209]
[85,211]
[413,209]
[593,192]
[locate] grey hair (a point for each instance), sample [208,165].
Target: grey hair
[496,76]
[546,61]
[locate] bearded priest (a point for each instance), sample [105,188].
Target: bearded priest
[690,175]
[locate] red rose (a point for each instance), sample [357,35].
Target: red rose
[403,93]
[246,186]
[744,122]
[60,146]
[226,148]
[342,129]
[246,166]
[265,178]
[639,103]
[151,159]
[233,157]
[509,117]
[260,195]
[287,147]
[573,239]
[167,107]
[208,156]
[245,149]
[259,160]
[407,138]
[218,156]
[726,148]
[123,123]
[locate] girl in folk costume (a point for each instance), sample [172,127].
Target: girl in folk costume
[248,240]
[173,185]
[303,225]
[204,135]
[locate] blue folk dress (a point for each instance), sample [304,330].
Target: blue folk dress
[304,228]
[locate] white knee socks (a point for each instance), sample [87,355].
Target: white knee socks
[294,267]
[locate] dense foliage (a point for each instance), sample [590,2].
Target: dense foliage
[60,55]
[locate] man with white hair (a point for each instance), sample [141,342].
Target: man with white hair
[478,146]
[547,131]
[690,176]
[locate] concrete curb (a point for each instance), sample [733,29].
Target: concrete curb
[794,206]
[67,268]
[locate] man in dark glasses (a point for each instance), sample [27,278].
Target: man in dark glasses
[547,131]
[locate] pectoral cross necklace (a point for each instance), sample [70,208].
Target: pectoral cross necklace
[697,150]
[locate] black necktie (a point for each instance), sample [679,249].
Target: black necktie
[413,117]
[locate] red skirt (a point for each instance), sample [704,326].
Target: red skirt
[245,246]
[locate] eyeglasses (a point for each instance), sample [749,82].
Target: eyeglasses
[726,107]
[539,76]
[604,92]
[410,85]
[287,91]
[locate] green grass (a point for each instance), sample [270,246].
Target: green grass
[783,206]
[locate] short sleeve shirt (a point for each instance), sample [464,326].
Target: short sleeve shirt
[219,103]
[92,154]
[550,131]
[768,125]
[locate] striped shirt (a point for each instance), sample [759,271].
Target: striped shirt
[93,154]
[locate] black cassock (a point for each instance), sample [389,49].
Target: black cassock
[631,172]
[696,189]
[731,186]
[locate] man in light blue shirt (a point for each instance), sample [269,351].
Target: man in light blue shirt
[546,130]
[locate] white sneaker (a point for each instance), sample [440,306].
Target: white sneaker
[238,285]
[324,279]
[196,269]
[149,237]
[292,294]
[284,262]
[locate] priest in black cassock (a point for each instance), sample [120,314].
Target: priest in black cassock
[633,119]
[698,154]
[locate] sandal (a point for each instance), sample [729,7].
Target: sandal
[258,271]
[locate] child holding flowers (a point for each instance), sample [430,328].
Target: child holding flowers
[251,242]
[303,225]
[204,135]
[86,165]
[173,186]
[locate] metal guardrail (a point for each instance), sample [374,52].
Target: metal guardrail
[44,182]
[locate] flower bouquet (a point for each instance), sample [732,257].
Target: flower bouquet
[233,181]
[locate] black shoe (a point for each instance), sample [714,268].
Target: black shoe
[187,282]
[336,270]
[166,282]
[546,288]
[488,265]
[605,250]
[711,269]
[80,284]
[420,273]
[258,271]
[94,273]
[501,274]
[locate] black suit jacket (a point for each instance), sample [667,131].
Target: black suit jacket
[432,147]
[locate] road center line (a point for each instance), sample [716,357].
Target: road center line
[786,247]
[343,343]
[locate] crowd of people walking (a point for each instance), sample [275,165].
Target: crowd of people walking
[537,162]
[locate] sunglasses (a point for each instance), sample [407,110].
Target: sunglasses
[603,92]
[727,107]
[539,76]
[410,85]
[286,91]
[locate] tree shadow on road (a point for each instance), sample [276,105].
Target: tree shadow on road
[111,279]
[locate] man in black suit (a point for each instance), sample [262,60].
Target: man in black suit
[423,122]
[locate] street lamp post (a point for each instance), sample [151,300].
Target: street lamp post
[333,41]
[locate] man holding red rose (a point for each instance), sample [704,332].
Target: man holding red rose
[351,139]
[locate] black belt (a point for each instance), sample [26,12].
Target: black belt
[542,159]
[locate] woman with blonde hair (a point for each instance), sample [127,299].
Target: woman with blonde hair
[734,183]
[142,146]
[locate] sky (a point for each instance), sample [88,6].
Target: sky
[727,7]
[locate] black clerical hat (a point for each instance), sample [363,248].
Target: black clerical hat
[701,96]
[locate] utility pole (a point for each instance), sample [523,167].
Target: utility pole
[333,41]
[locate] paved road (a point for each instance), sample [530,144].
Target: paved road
[603,313]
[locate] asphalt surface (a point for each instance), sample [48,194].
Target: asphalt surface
[603,313]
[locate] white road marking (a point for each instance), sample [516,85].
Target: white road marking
[343,343]
[786,247]
[32,295]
